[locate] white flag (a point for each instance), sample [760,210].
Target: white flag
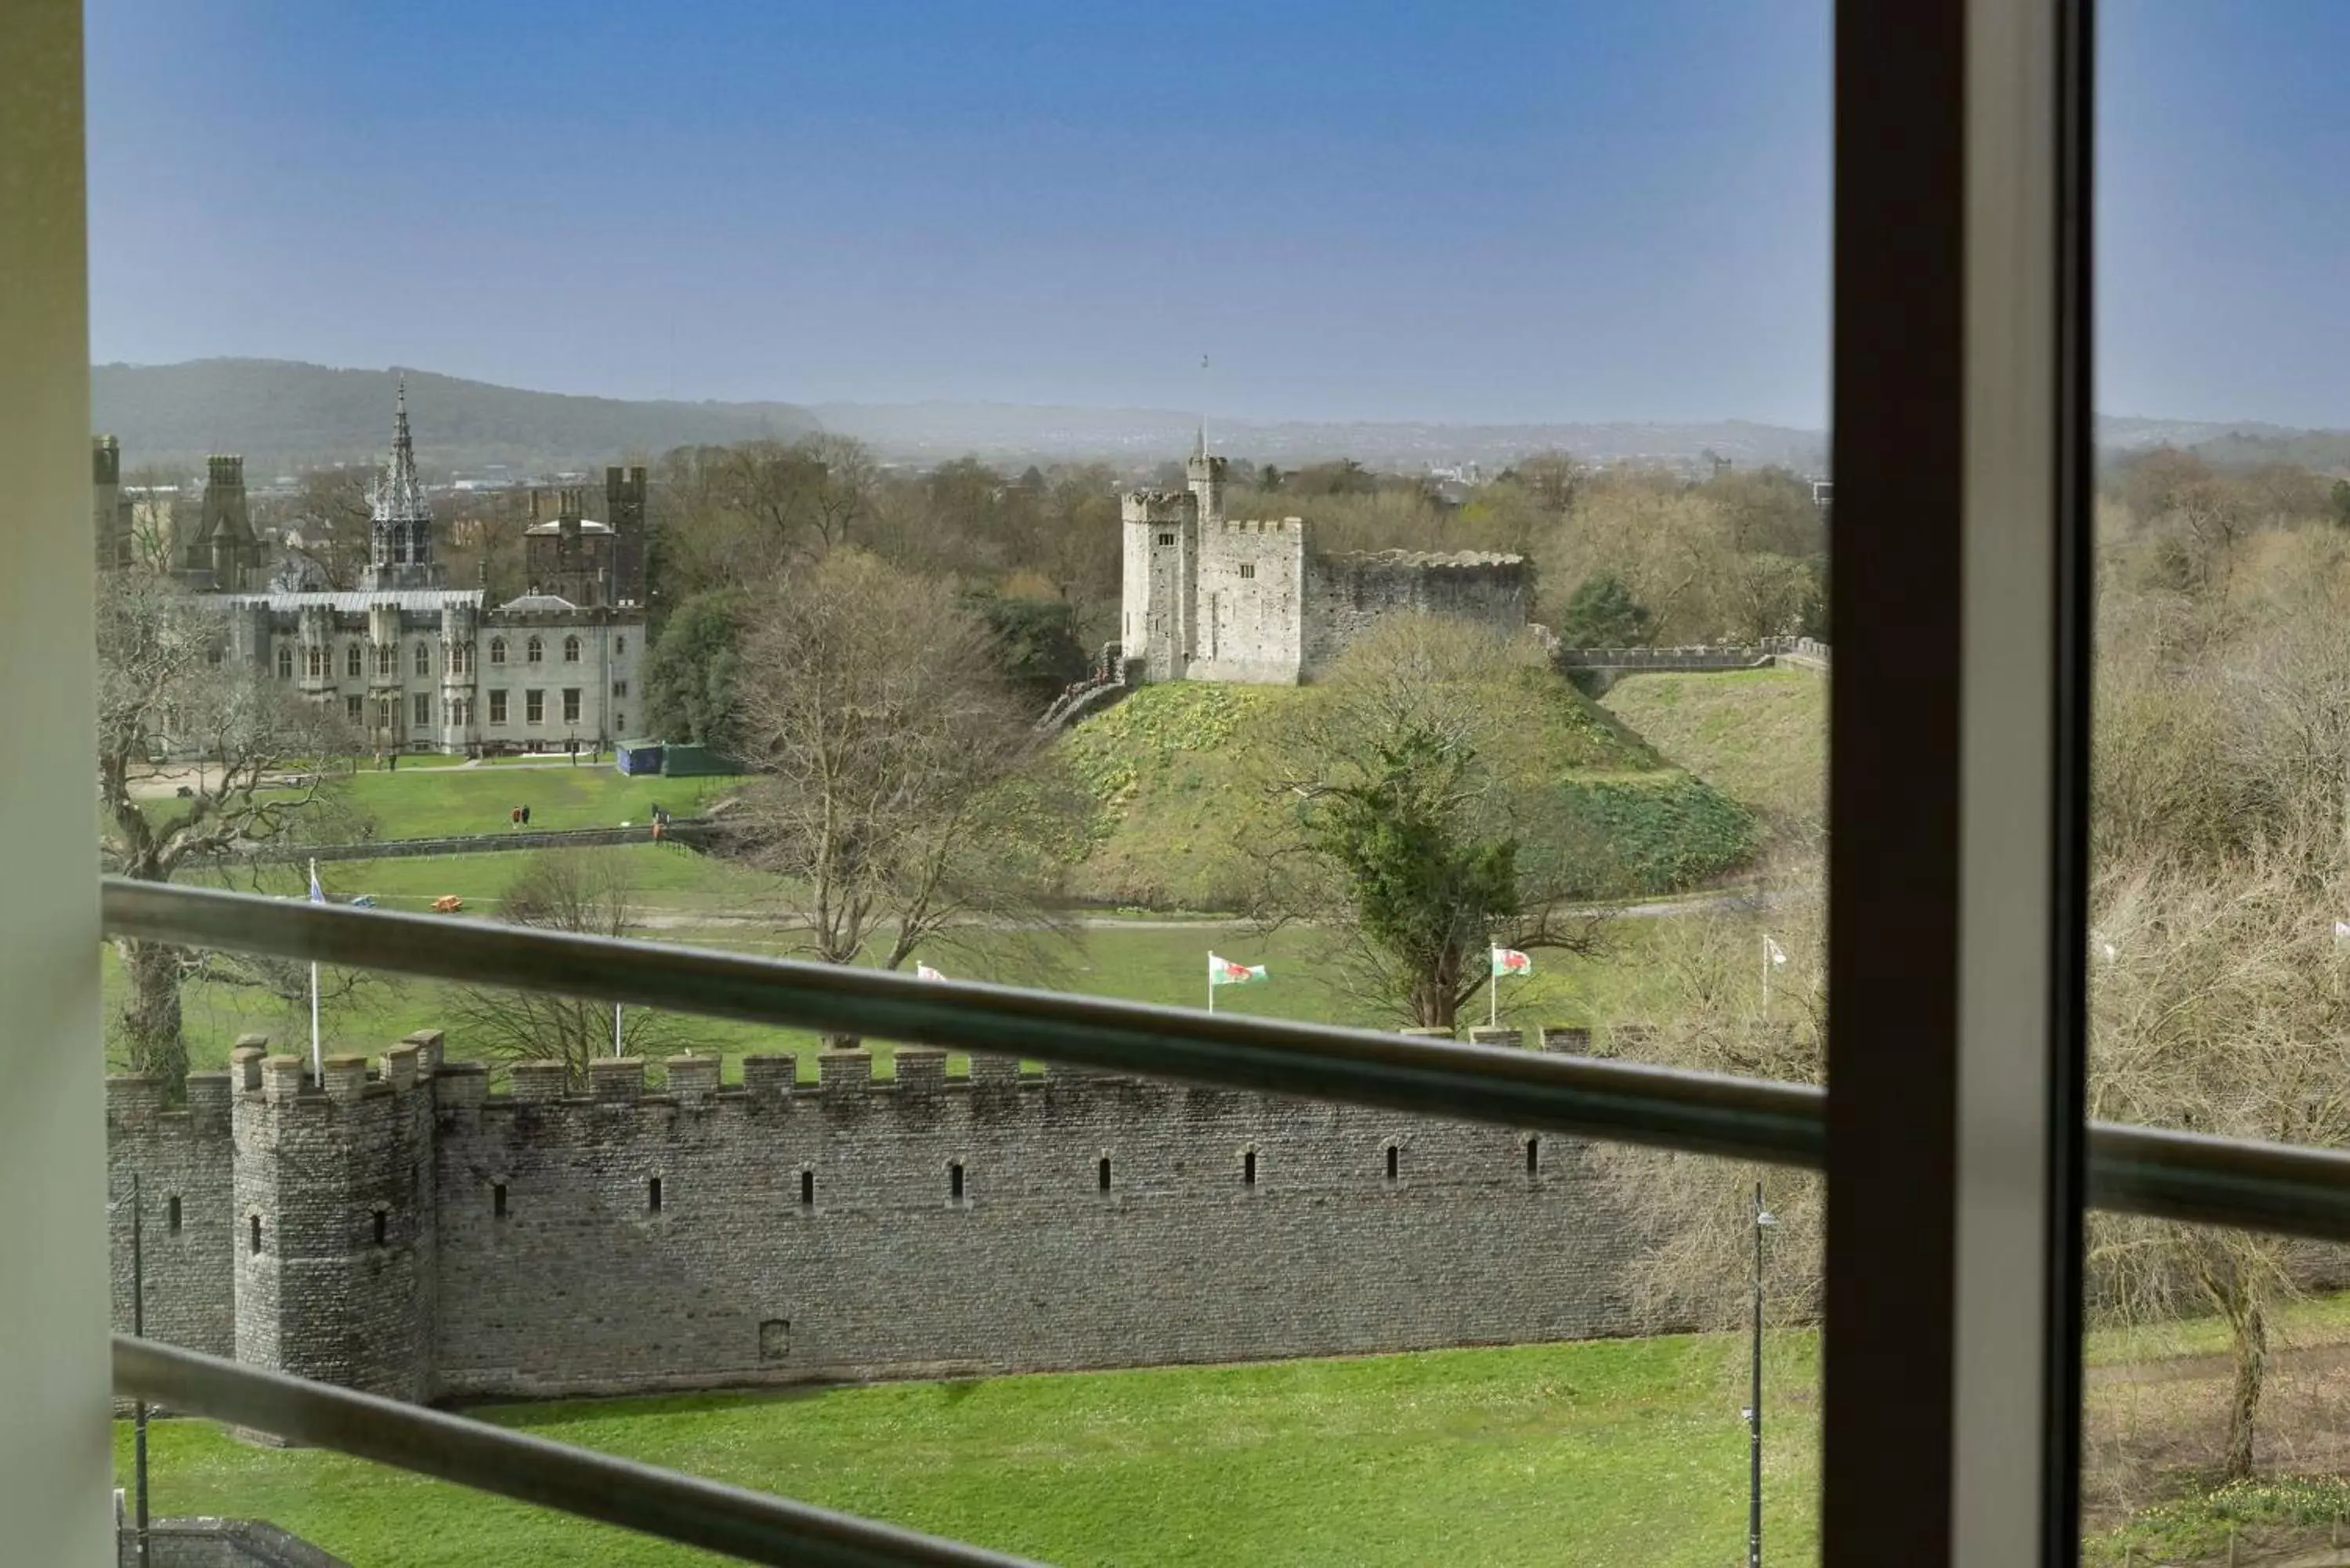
[1774,952]
[924,972]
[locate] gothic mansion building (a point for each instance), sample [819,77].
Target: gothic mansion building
[1210,600]
[416,665]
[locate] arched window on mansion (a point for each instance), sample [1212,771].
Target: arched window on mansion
[353,666]
[570,650]
[533,652]
[314,662]
[497,651]
[423,658]
[285,663]
[387,659]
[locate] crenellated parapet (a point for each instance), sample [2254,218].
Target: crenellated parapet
[395,1225]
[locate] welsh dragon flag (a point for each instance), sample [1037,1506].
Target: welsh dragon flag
[1224,972]
[1509,961]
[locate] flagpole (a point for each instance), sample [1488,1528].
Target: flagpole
[616,1030]
[1766,975]
[1492,993]
[317,1055]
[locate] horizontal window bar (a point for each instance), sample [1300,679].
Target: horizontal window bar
[1746,1118]
[2144,1171]
[681,1508]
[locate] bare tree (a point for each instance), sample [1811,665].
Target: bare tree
[170,687]
[898,803]
[327,527]
[2221,998]
[1392,832]
[564,891]
[1696,1210]
[156,496]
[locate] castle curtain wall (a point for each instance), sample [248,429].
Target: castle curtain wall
[817,1231]
[1346,596]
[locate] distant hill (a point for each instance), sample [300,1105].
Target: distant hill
[1018,432]
[282,415]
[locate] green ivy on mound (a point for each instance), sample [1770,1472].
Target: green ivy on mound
[1176,816]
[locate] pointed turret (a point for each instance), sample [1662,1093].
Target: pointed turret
[1206,478]
[399,537]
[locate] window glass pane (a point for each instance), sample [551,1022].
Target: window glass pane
[1302,557]
[2220,888]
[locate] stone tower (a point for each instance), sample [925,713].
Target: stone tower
[225,553]
[1162,556]
[1205,474]
[109,508]
[624,509]
[334,1221]
[399,526]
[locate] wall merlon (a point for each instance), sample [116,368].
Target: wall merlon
[400,1065]
[537,1080]
[428,1043]
[768,1079]
[461,1085]
[281,1079]
[1505,1036]
[133,1100]
[1566,1040]
[921,1070]
[208,1100]
[992,1071]
[617,1080]
[844,1074]
[347,1079]
[693,1079]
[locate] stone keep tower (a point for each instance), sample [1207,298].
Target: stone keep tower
[1163,564]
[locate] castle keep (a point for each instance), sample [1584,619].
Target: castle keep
[403,1230]
[1207,599]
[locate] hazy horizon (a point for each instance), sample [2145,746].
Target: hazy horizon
[1491,214]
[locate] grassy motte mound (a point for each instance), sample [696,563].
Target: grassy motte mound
[1759,736]
[1181,813]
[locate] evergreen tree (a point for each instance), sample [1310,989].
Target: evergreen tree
[1602,613]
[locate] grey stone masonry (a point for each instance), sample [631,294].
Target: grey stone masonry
[402,1230]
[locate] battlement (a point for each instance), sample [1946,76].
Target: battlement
[1438,560]
[1158,506]
[225,469]
[1264,526]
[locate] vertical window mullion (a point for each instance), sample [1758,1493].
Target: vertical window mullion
[1950,1412]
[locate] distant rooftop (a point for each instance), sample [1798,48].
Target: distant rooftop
[409,600]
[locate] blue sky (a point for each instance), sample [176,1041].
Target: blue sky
[1464,210]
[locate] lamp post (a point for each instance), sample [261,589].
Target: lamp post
[1763,1219]
[139,1331]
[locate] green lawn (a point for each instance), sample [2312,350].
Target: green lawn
[1616,1451]
[1140,961]
[432,801]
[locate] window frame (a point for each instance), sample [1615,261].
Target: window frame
[1991,298]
